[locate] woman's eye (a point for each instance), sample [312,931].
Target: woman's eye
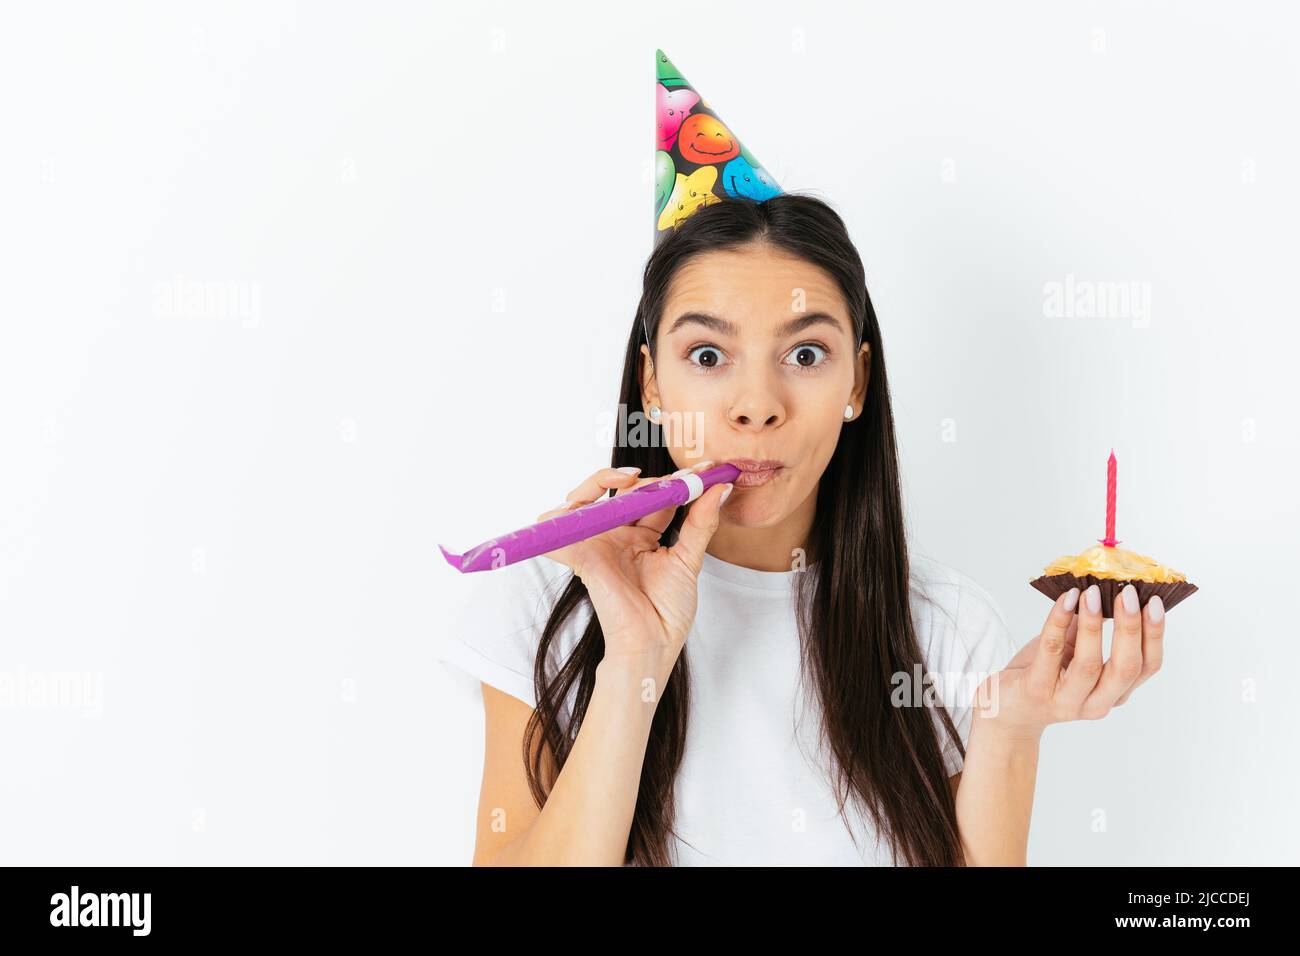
[809,355]
[706,359]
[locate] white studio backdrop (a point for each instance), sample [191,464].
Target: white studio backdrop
[293,293]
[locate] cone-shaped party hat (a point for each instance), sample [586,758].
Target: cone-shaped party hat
[698,159]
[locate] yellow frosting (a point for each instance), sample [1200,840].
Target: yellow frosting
[1118,563]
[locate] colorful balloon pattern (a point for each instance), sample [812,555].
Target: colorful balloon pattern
[698,160]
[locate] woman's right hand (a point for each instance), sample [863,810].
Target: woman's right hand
[644,595]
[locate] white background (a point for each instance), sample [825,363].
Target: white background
[230,519]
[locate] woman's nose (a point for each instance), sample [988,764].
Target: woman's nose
[757,411]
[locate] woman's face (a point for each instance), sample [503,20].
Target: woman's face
[757,360]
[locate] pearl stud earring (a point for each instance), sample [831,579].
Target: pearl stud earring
[848,412]
[654,413]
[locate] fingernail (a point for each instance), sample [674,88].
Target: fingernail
[1155,609]
[1093,597]
[725,491]
[1130,596]
[703,464]
[630,470]
[563,504]
[681,471]
[1071,599]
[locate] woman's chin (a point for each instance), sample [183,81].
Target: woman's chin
[753,507]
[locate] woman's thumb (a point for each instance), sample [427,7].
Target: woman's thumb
[702,520]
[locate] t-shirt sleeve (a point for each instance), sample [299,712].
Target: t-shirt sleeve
[496,622]
[981,645]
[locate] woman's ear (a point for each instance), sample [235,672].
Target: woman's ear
[649,388]
[861,375]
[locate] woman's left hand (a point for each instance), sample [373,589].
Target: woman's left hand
[1060,675]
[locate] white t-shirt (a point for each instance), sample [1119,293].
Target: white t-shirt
[752,788]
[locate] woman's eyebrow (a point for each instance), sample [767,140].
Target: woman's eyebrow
[713,322]
[806,321]
[724,327]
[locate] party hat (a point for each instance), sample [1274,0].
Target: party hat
[698,159]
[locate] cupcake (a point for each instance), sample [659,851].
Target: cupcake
[1110,568]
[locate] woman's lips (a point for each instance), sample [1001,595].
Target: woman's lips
[748,479]
[754,472]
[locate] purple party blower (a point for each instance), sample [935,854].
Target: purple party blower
[589,520]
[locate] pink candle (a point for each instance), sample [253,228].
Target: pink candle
[1109,541]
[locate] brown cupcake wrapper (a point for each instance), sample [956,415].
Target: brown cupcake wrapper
[1171,592]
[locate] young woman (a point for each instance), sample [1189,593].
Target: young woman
[767,676]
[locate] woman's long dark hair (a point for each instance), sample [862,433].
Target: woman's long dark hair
[855,622]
